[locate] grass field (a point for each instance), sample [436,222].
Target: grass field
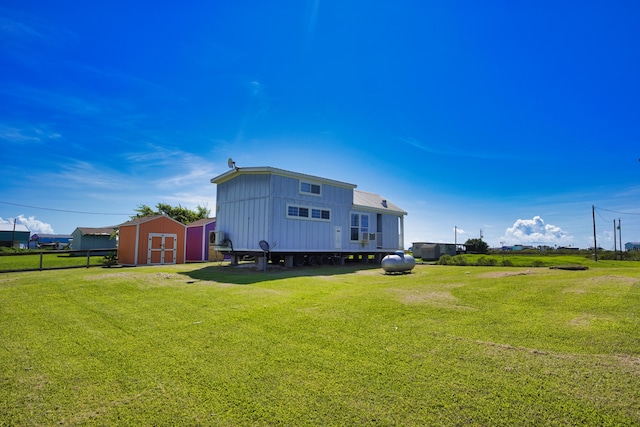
[204,344]
[31,261]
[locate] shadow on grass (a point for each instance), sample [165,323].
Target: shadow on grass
[247,274]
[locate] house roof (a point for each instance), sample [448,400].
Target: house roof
[8,226]
[268,170]
[375,202]
[143,219]
[200,222]
[97,231]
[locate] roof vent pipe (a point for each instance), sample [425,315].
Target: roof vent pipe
[384,203]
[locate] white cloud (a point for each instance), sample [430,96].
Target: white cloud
[34,225]
[535,231]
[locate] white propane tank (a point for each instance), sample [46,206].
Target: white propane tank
[399,262]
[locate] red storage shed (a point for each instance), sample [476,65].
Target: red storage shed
[151,240]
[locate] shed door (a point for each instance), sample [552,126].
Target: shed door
[162,248]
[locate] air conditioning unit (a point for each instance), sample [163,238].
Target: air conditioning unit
[219,238]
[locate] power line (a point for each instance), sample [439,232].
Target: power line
[65,210]
[621,213]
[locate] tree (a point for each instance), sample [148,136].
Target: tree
[180,214]
[477,245]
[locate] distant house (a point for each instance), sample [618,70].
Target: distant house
[89,238]
[632,246]
[151,240]
[200,240]
[14,235]
[50,241]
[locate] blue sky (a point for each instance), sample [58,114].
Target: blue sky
[513,118]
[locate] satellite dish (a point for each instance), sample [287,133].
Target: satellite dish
[231,163]
[264,245]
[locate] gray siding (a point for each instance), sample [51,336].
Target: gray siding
[290,234]
[81,242]
[253,207]
[244,210]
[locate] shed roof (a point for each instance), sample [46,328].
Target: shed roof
[200,222]
[97,231]
[143,219]
[372,201]
[268,170]
[8,226]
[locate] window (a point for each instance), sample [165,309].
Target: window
[359,226]
[305,212]
[310,188]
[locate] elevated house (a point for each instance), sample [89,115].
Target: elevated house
[50,241]
[151,240]
[632,246]
[91,238]
[301,218]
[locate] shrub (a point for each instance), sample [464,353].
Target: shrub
[110,260]
[485,261]
[445,260]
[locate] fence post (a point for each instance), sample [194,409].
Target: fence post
[40,261]
[88,258]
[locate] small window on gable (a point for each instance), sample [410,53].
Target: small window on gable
[310,188]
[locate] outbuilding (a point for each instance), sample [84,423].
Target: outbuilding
[14,235]
[151,240]
[90,238]
[200,240]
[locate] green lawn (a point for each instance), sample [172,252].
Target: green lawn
[31,261]
[204,344]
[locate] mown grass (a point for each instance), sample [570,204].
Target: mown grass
[209,345]
[31,261]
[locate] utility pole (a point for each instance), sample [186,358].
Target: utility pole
[615,244]
[620,237]
[455,237]
[595,243]
[13,235]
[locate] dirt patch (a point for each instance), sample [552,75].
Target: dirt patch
[499,274]
[582,321]
[429,296]
[620,280]
[603,284]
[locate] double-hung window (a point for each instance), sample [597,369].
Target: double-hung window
[359,227]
